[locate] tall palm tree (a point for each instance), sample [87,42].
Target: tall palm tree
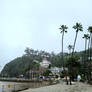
[90,31]
[90,50]
[63,29]
[69,48]
[86,37]
[89,63]
[88,47]
[78,27]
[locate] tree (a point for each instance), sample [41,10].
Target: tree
[88,47]
[90,50]
[47,73]
[63,29]
[86,37]
[27,51]
[90,31]
[78,27]
[73,61]
[69,48]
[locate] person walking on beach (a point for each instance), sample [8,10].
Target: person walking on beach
[78,78]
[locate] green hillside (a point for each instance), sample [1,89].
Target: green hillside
[21,65]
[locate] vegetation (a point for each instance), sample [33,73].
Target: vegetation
[76,66]
[47,73]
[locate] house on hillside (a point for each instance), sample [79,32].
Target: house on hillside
[45,63]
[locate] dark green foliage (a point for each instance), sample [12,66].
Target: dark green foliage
[73,60]
[19,66]
[46,73]
[56,61]
[74,66]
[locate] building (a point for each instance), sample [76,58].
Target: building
[45,63]
[55,70]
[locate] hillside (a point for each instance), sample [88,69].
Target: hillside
[21,65]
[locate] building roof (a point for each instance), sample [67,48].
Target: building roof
[45,63]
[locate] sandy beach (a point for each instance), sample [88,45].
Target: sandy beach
[62,87]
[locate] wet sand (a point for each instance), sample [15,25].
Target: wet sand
[62,87]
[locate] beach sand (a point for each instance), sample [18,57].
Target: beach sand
[62,87]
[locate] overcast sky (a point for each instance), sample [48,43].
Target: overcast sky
[35,23]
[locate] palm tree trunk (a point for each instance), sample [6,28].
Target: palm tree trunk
[89,71]
[90,54]
[85,45]
[85,62]
[91,47]
[62,51]
[74,43]
[73,54]
[88,48]
[63,57]
[85,49]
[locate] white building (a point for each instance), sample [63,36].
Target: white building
[55,70]
[45,63]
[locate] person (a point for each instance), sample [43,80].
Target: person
[78,78]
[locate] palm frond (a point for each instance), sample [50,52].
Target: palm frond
[90,29]
[63,28]
[78,27]
[86,36]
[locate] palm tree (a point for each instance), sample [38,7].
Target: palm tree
[63,29]
[69,48]
[89,63]
[78,27]
[90,31]
[90,49]
[86,37]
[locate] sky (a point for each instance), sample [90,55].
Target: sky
[35,24]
